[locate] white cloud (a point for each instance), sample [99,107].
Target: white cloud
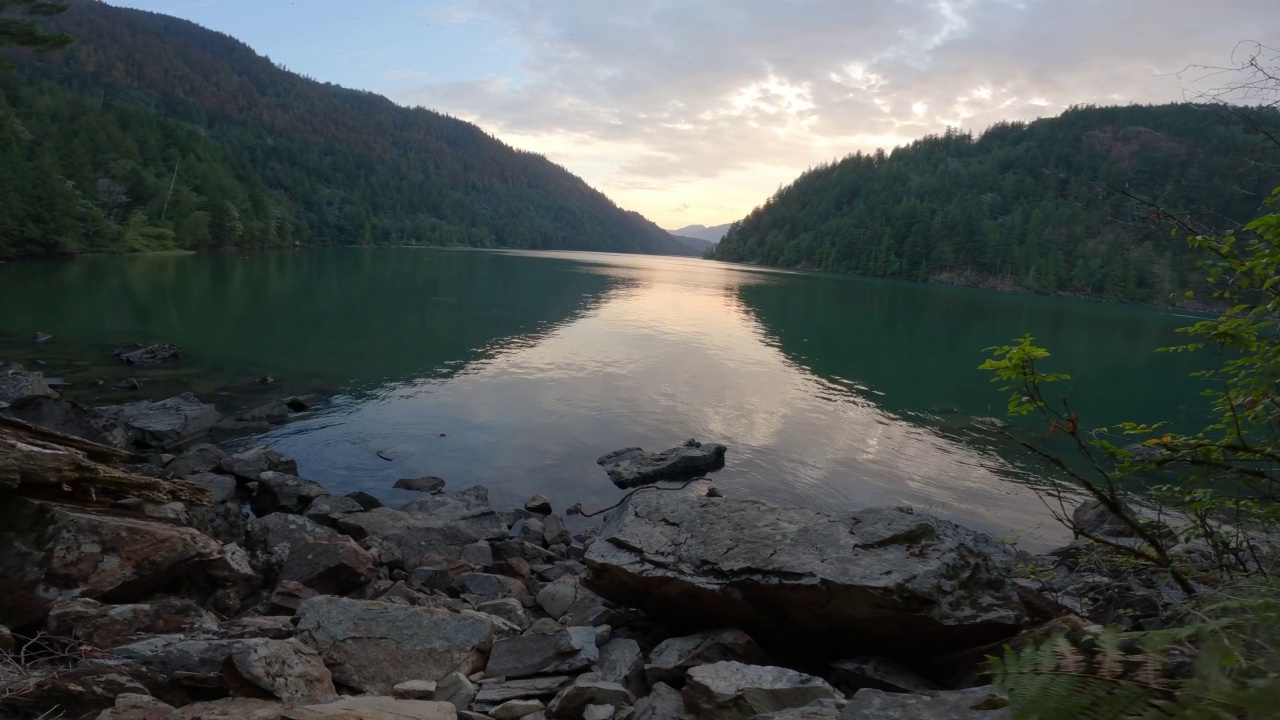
[665,104]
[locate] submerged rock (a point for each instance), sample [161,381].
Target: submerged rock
[151,355]
[18,386]
[840,585]
[632,467]
[429,484]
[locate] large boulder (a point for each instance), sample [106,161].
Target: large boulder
[632,467]
[838,585]
[673,657]
[375,646]
[285,669]
[165,423]
[281,493]
[302,551]
[108,626]
[18,386]
[562,650]
[733,691]
[61,552]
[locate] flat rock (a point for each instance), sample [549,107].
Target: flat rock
[839,584]
[73,419]
[562,650]
[489,587]
[249,464]
[584,691]
[673,657]
[18,386]
[415,690]
[329,509]
[199,459]
[516,709]
[285,669]
[509,609]
[632,467]
[428,484]
[403,538]
[662,703]
[540,687]
[108,626]
[140,707]
[164,423]
[983,703]
[61,552]
[150,356]
[278,492]
[733,691]
[378,645]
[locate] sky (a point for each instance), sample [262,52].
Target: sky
[696,111]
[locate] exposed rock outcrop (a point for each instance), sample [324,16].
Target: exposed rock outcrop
[632,467]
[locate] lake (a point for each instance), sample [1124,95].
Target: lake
[516,370]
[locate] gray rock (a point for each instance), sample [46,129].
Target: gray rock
[856,582]
[598,712]
[489,586]
[428,484]
[286,669]
[1094,518]
[329,509]
[273,412]
[532,531]
[73,419]
[131,706]
[164,423]
[182,655]
[673,657]
[365,500]
[554,531]
[431,577]
[404,538]
[662,703]
[249,464]
[984,703]
[733,691]
[108,626]
[509,609]
[587,690]
[479,554]
[310,554]
[558,597]
[562,650]
[516,709]
[455,688]
[199,459]
[804,713]
[18,386]
[541,687]
[379,645]
[415,690]
[148,356]
[878,673]
[538,505]
[7,641]
[632,467]
[303,403]
[278,492]
[622,662]
[224,520]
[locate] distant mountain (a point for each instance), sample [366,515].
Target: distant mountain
[1045,207]
[153,133]
[702,232]
[697,245]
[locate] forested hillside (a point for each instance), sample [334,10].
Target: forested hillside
[1040,207]
[152,133]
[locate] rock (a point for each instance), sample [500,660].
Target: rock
[404,537]
[60,552]
[197,660]
[673,657]
[108,626]
[508,609]
[804,713]
[415,690]
[633,467]
[558,597]
[150,356]
[199,459]
[598,712]
[41,338]
[427,484]
[379,645]
[311,554]
[846,584]
[224,520]
[516,709]
[563,650]
[327,510]
[250,464]
[456,689]
[879,674]
[266,380]
[541,687]
[350,708]
[288,597]
[516,568]
[532,531]
[274,412]
[733,691]
[20,386]
[431,577]
[1094,518]
[365,500]
[128,385]
[587,690]
[165,423]
[489,586]
[140,707]
[303,403]
[622,662]
[554,531]
[478,554]
[538,505]
[286,669]
[662,703]
[983,703]
[72,419]
[257,627]
[278,492]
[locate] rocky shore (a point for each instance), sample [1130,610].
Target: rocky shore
[152,574]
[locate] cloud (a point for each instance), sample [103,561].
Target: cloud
[663,103]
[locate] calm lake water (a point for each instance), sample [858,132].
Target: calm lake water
[517,370]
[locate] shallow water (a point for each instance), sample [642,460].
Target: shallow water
[516,370]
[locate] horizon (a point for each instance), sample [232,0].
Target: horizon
[601,91]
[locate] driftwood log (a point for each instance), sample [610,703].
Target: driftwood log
[38,462]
